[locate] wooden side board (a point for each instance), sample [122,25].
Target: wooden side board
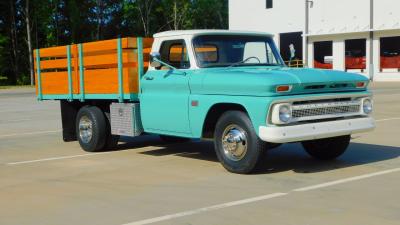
[105,81]
[100,67]
[54,82]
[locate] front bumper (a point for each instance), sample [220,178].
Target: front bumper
[310,131]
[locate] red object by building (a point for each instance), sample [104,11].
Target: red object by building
[390,62]
[322,65]
[355,62]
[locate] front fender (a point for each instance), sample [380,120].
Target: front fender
[256,107]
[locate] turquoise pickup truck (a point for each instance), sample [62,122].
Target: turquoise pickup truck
[233,88]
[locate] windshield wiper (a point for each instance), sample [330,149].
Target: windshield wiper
[243,61]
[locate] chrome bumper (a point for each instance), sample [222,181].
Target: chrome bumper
[310,131]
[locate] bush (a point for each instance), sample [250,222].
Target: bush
[3,80]
[24,79]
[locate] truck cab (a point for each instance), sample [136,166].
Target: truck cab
[232,87]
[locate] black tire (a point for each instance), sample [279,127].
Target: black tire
[173,139]
[247,161]
[327,148]
[98,126]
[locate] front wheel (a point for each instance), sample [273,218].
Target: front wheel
[327,148]
[238,147]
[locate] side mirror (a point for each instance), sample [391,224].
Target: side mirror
[155,59]
[156,62]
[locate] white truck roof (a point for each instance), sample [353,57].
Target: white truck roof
[198,32]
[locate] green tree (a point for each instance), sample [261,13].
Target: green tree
[210,14]
[177,13]
[30,24]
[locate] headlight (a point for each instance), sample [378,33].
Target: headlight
[367,106]
[281,113]
[285,113]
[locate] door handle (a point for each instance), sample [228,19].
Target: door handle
[149,78]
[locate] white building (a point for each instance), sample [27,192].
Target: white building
[353,35]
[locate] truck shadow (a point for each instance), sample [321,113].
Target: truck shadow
[292,157]
[288,157]
[196,149]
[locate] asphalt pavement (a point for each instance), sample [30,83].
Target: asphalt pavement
[146,181]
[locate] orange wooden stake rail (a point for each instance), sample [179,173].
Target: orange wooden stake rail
[108,69]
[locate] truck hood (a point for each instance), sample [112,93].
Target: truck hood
[256,81]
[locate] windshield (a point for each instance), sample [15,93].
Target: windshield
[235,50]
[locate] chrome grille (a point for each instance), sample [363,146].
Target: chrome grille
[326,111]
[321,110]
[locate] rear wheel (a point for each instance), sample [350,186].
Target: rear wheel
[238,147]
[91,128]
[327,148]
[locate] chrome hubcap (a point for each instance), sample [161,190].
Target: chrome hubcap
[85,129]
[234,142]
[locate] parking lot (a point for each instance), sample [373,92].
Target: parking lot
[146,181]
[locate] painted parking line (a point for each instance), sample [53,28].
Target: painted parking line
[29,133]
[84,155]
[257,199]
[385,90]
[56,158]
[206,209]
[14,121]
[387,119]
[346,180]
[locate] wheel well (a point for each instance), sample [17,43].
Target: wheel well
[69,111]
[214,114]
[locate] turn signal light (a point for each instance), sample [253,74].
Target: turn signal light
[361,84]
[283,88]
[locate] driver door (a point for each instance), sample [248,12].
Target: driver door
[165,92]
